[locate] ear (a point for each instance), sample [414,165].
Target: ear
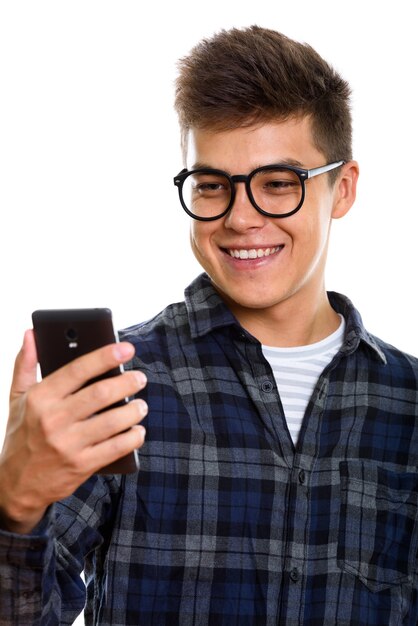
[345,189]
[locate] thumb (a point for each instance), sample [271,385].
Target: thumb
[24,374]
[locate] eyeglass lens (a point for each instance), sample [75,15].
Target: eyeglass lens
[276,191]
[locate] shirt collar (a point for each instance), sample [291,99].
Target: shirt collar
[355,332]
[205,308]
[207,312]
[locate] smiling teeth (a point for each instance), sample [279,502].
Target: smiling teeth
[253,253]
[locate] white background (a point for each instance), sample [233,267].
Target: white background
[89,146]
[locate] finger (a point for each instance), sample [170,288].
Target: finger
[101,427]
[78,372]
[110,450]
[102,394]
[24,374]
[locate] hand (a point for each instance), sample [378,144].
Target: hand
[52,443]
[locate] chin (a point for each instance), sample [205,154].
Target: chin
[254,301]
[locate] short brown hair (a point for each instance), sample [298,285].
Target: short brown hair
[253,75]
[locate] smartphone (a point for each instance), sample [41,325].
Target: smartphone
[65,334]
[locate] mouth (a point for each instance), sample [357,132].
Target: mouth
[252,253]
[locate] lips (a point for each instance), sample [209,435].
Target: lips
[252,253]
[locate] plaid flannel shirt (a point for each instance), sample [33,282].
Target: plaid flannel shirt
[227,523]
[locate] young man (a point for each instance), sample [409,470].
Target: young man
[278,480]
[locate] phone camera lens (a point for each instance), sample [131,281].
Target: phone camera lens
[71,334]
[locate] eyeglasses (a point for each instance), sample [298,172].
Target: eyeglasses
[208,194]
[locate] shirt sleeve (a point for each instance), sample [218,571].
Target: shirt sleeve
[40,573]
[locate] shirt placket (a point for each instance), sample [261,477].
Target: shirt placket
[261,387]
[301,462]
[297,529]
[295,549]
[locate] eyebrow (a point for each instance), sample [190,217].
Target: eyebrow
[294,162]
[199,165]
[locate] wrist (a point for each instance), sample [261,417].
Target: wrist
[22,526]
[16,518]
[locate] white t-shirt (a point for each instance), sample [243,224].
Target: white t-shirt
[297,370]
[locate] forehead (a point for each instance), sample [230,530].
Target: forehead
[241,149]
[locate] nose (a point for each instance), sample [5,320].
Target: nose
[243,215]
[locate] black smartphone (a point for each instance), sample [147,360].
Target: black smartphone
[65,334]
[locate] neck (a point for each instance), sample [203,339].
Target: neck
[296,321]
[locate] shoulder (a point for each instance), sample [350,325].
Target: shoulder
[386,356]
[160,340]
[173,317]
[400,364]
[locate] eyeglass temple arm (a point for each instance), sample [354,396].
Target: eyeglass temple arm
[324,168]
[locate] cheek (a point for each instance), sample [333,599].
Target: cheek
[194,236]
[200,234]
[309,232]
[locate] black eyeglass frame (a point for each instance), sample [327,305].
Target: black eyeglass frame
[302,174]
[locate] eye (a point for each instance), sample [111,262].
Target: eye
[276,182]
[209,185]
[279,184]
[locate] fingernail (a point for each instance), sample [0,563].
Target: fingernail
[124,350]
[143,408]
[141,378]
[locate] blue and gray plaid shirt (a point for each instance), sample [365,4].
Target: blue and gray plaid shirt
[227,524]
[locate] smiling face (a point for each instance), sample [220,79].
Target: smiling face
[256,262]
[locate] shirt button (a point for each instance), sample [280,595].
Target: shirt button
[294,575]
[302,477]
[267,386]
